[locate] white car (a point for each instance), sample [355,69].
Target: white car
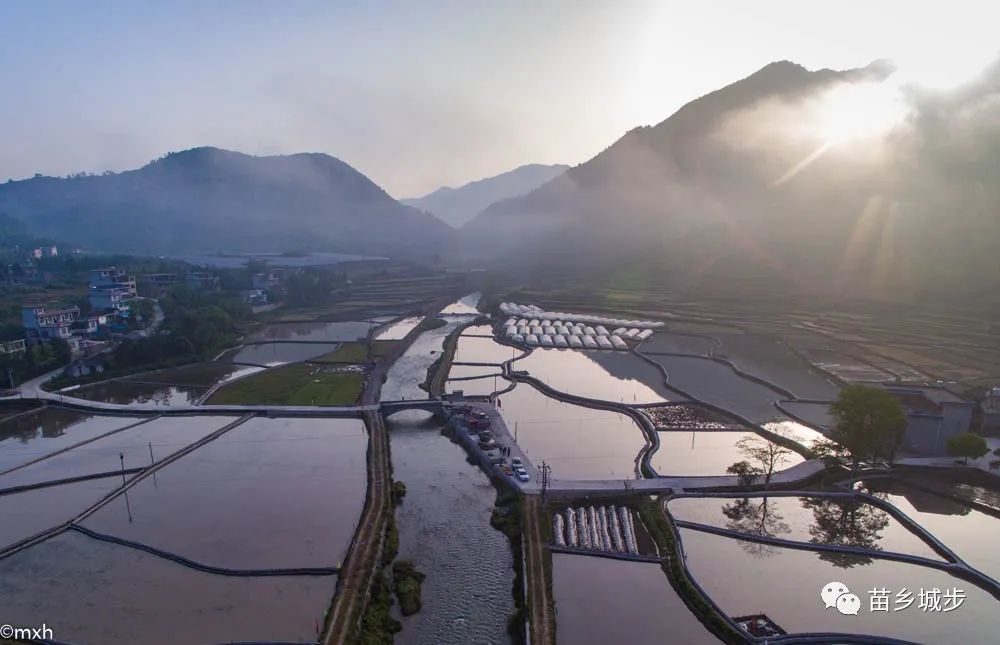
[516,463]
[522,474]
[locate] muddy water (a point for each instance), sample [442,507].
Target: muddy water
[163,436]
[443,522]
[270,493]
[576,442]
[399,329]
[704,453]
[46,431]
[31,512]
[599,601]
[476,387]
[785,584]
[805,519]
[472,371]
[94,593]
[598,375]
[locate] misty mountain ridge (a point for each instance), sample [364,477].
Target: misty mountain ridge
[738,187]
[456,206]
[206,199]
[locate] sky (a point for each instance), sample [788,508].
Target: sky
[417,95]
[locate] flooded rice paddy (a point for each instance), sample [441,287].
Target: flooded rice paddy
[317,332]
[970,533]
[817,414]
[719,385]
[48,430]
[185,385]
[743,585]
[600,600]
[95,593]
[473,347]
[704,453]
[162,437]
[598,375]
[576,442]
[772,360]
[472,371]
[678,343]
[819,520]
[272,354]
[271,493]
[29,513]
[476,387]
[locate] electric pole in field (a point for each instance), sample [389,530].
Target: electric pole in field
[545,470]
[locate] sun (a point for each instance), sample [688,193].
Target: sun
[857,111]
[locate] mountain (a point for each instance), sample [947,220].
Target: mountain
[795,179]
[457,206]
[207,199]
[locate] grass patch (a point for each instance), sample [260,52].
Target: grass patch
[299,384]
[377,626]
[406,583]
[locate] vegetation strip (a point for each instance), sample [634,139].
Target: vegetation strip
[207,568]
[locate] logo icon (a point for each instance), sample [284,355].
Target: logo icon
[836,594]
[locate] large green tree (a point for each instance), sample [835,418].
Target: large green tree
[870,425]
[966,445]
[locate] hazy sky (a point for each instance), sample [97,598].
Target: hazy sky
[416,95]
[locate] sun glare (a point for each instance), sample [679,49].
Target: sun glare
[859,111]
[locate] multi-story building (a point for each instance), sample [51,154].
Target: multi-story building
[202,281]
[991,410]
[933,415]
[16,346]
[113,277]
[156,285]
[112,290]
[43,323]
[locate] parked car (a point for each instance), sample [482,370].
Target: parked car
[516,462]
[522,474]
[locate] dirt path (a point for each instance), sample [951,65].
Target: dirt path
[365,550]
[541,619]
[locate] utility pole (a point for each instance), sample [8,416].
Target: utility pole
[545,470]
[128,506]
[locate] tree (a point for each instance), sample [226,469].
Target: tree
[870,423]
[745,473]
[848,521]
[755,517]
[767,455]
[967,444]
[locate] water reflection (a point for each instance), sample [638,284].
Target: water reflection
[575,441]
[271,354]
[605,376]
[270,493]
[48,430]
[757,517]
[464,306]
[90,591]
[399,329]
[599,600]
[847,522]
[314,331]
[704,452]
[786,587]
[841,521]
[132,392]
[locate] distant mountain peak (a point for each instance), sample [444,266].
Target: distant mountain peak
[456,206]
